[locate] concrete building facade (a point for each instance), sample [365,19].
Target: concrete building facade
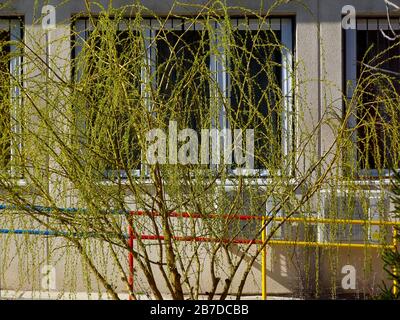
[325,56]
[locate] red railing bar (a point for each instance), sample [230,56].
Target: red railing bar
[199,239]
[175,214]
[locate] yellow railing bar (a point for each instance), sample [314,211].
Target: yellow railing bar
[264,263]
[335,221]
[321,244]
[327,244]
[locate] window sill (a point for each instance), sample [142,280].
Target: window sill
[374,174]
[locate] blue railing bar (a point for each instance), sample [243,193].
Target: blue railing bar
[50,233]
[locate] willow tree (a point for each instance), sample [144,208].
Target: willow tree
[140,149]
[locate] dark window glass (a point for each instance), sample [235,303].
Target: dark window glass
[255,82]
[111,126]
[375,114]
[182,62]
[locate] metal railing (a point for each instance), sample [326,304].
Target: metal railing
[264,241]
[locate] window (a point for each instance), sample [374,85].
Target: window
[259,87]
[255,87]
[354,205]
[179,54]
[201,82]
[373,61]
[233,203]
[109,125]
[253,69]
[10,99]
[252,201]
[182,71]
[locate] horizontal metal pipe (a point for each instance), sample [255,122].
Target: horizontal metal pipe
[201,239]
[29,232]
[327,244]
[51,233]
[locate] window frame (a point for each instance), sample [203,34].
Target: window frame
[357,233]
[14,26]
[265,212]
[81,27]
[351,79]
[218,68]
